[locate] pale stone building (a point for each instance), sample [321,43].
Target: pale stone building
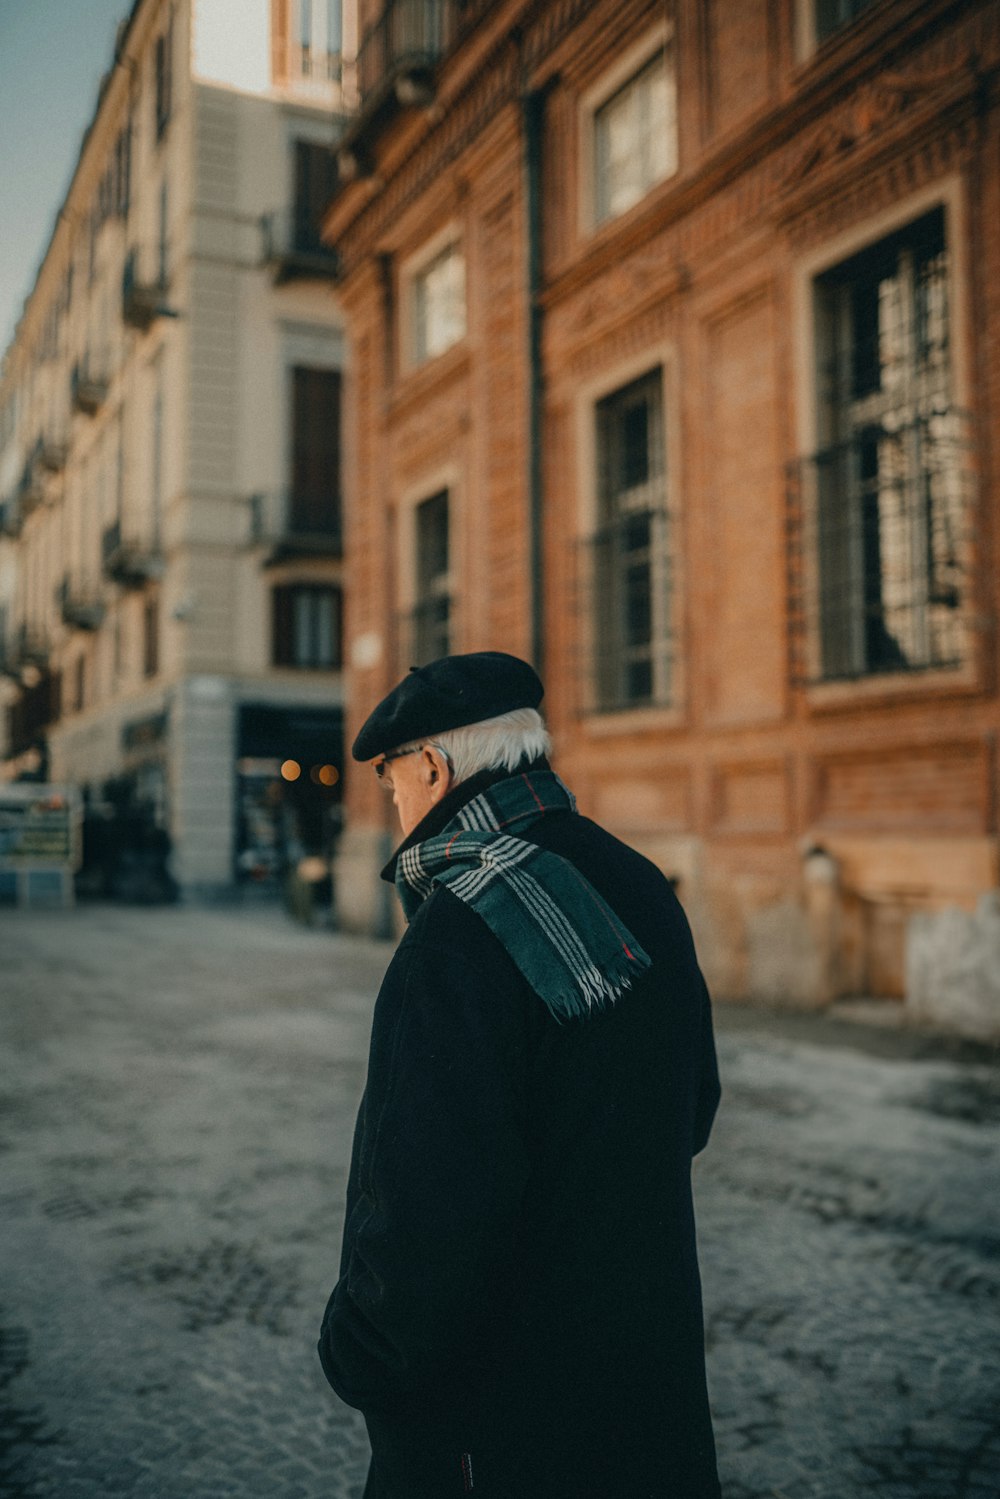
[170,562]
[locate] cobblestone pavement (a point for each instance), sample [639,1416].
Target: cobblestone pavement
[176,1101]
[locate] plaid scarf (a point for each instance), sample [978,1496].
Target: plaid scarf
[564,938]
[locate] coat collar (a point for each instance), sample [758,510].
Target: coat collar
[441,814]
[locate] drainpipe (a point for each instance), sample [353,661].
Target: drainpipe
[533,119]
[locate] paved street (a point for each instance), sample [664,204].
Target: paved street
[176,1102]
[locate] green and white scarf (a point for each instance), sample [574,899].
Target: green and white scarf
[562,935]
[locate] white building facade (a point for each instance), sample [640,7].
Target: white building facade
[170,464]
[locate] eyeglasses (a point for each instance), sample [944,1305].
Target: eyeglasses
[380,765]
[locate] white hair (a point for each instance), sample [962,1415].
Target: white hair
[500,743]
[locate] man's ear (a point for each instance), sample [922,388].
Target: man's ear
[436,769]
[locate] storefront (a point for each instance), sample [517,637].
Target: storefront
[288,795]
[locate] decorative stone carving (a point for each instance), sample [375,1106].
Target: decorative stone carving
[873,107]
[627,286]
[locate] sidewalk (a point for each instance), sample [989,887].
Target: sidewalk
[178,1094]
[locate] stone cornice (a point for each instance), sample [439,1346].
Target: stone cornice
[795,156]
[843,97]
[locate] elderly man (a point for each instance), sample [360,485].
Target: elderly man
[518,1313]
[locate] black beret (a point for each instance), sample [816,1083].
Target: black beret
[448,694]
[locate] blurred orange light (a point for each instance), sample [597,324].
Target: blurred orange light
[328,775]
[291,770]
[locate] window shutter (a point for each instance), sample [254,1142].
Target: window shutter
[315,179]
[283,632]
[315,500]
[151,638]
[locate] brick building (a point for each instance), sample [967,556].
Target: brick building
[675,365]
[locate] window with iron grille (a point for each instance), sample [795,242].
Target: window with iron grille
[635,138]
[308,626]
[430,632]
[884,502]
[439,304]
[629,595]
[163,72]
[151,637]
[831,15]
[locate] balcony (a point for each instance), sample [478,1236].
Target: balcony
[80,605]
[38,705]
[10,517]
[397,60]
[143,301]
[47,457]
[128,560]
[294,251]
[50,454]
[290,525]
[88,392]
[26,652]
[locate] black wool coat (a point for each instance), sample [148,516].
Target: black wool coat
[518,1313]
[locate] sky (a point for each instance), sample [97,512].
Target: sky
[52,56]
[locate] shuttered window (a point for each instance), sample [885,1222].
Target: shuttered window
[151,637]
[308,626]
[315,180]
[163,68]
[314,507]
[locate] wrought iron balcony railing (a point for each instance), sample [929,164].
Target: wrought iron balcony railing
[38,705]
[397,63]
[47,457]
[24,649]
[293,525]
[129,560]
[88,391]
[408,39]
[80,604]
[143,299]
[10,517]
[294,250]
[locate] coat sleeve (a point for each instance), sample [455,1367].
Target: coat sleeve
[440,1172]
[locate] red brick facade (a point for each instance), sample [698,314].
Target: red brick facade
[810,777]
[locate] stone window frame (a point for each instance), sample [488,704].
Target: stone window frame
[633,62]
[664,356]
[431,482]
[947,193]
[411,270]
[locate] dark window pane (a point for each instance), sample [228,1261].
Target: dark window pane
[631,598]
[430,632]
[432,540]
[315,498]
[315,179]
[635,445]
[832,14]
